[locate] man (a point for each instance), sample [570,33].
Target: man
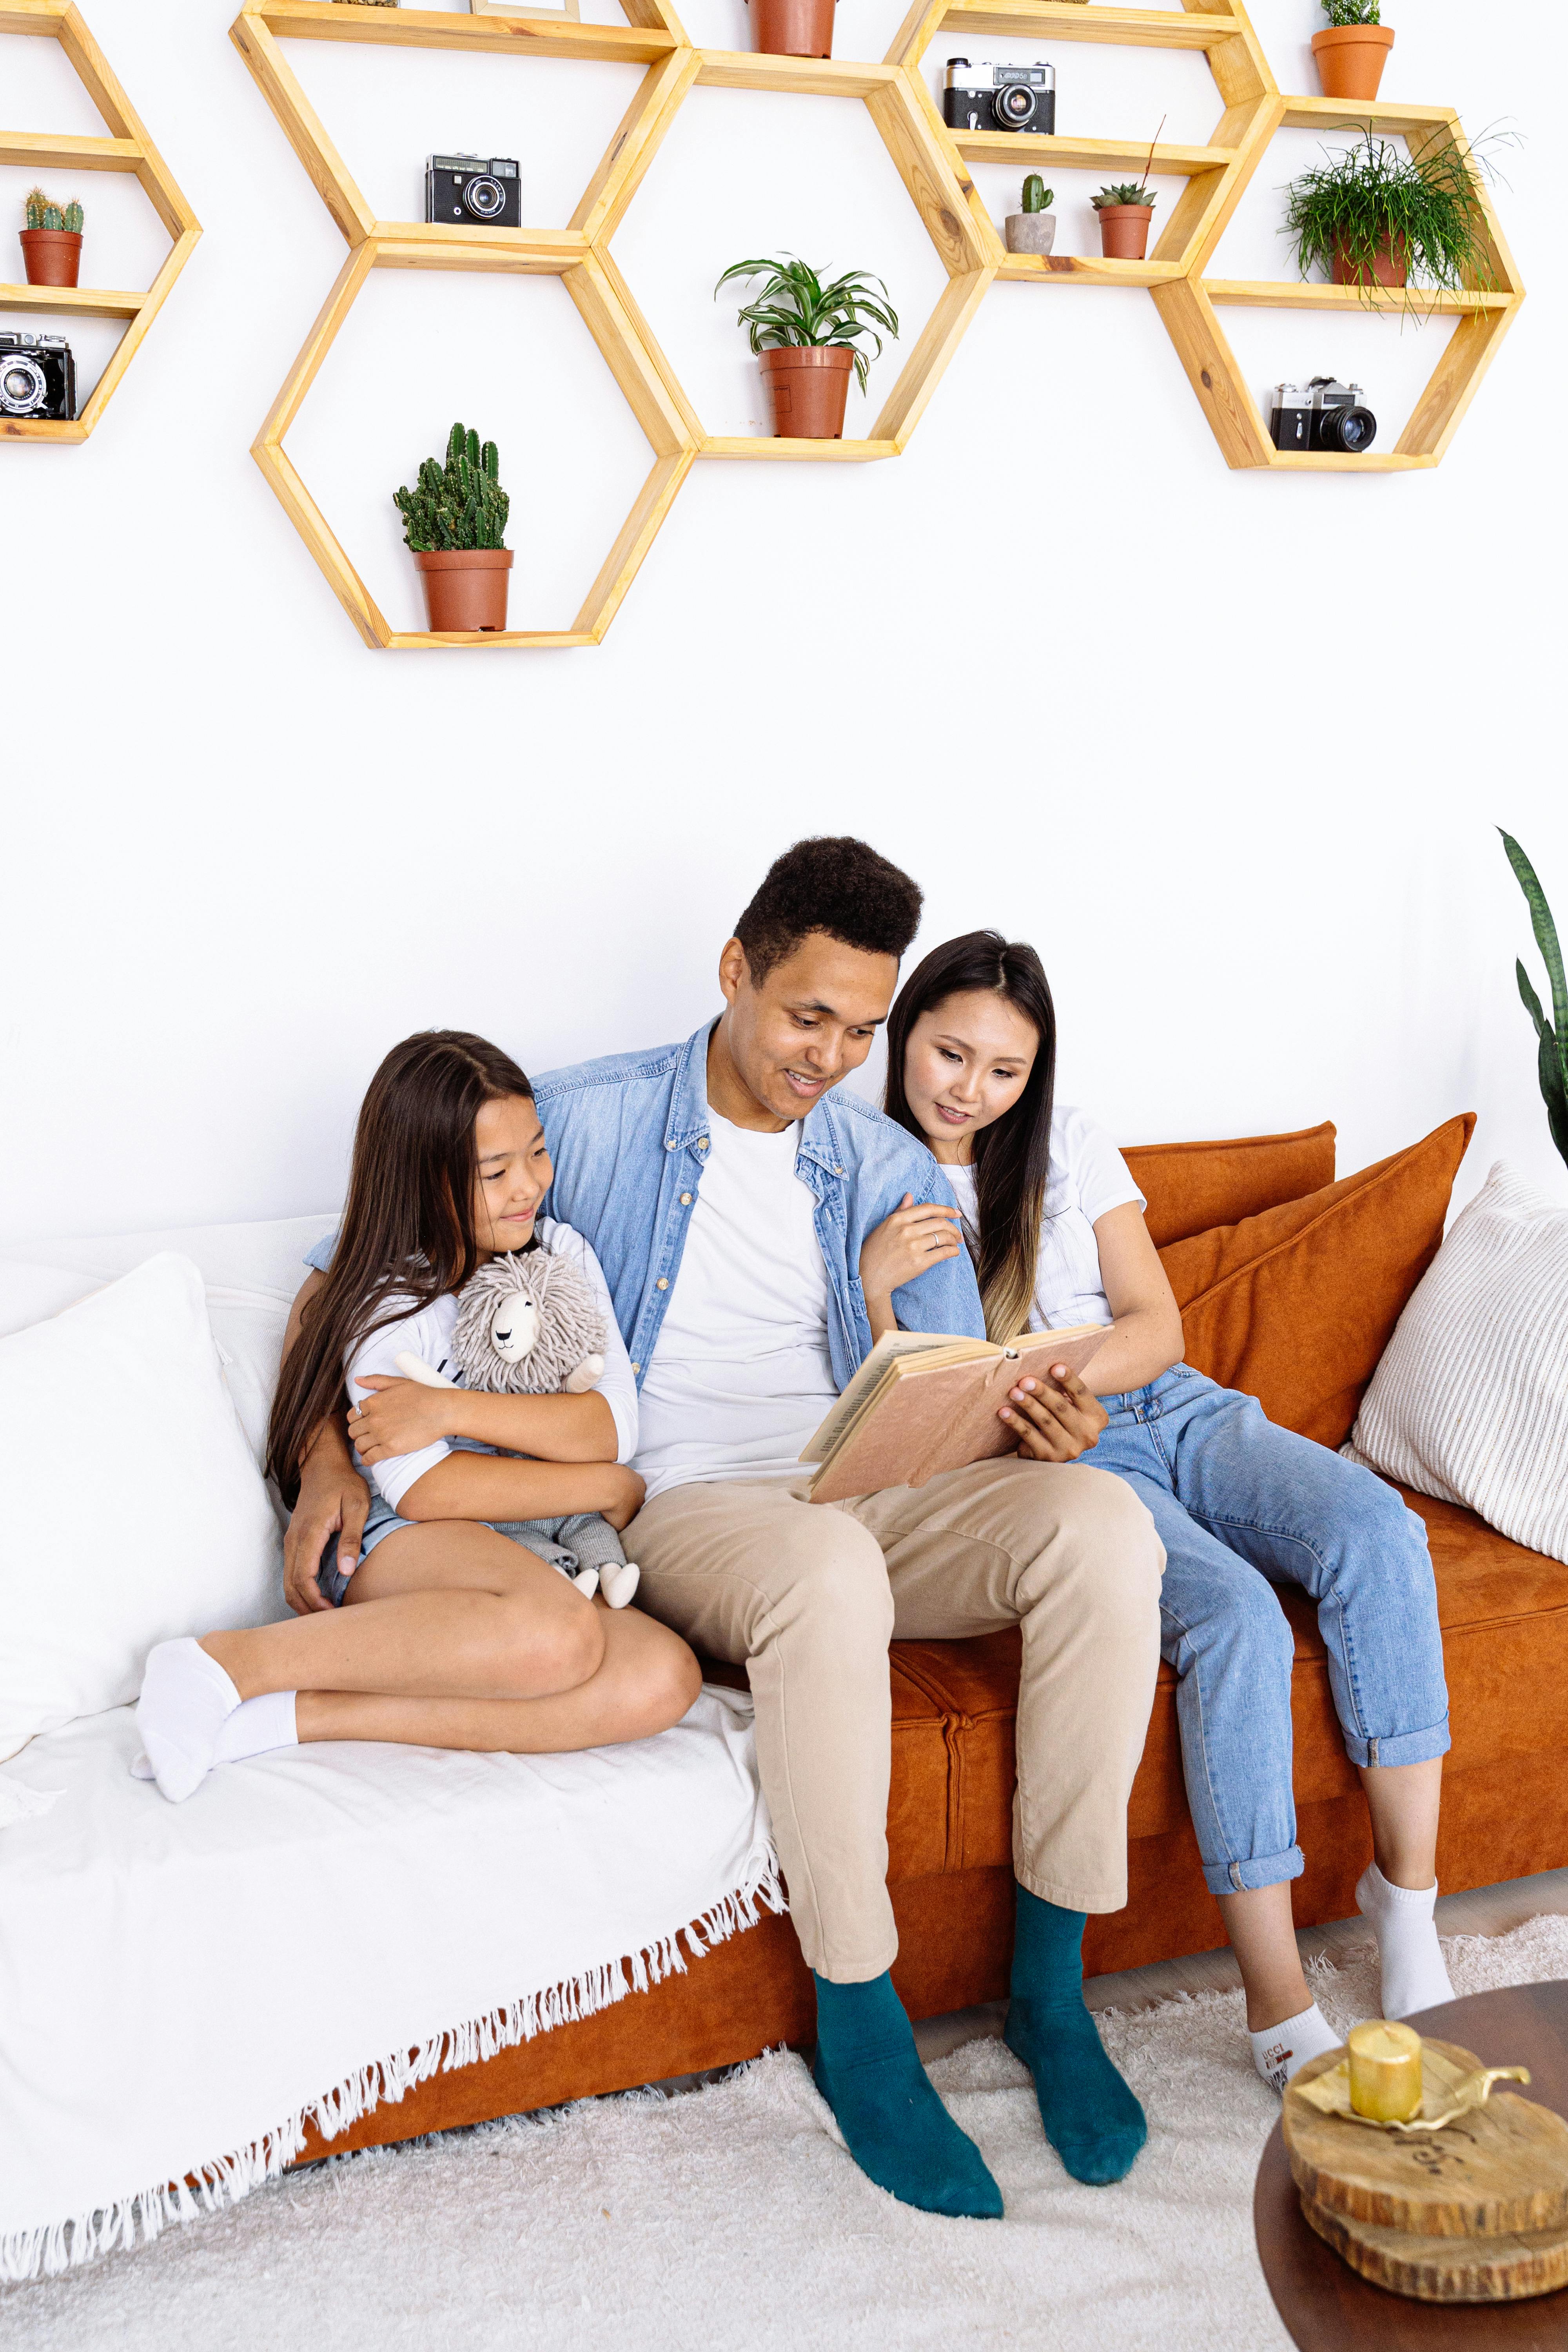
[741,1214]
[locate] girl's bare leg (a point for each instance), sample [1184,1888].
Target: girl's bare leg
[1404,1800]
[1263,1936]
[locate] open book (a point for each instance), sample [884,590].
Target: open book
[921,1403]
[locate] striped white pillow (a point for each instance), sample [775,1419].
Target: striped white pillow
[1470,1399]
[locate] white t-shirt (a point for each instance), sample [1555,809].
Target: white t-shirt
[741,1375]
[428,1333]
[1089,1178]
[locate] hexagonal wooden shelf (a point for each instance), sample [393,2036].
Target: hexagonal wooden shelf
[1485,315]
[566,256]
[1217,175]
[128,149]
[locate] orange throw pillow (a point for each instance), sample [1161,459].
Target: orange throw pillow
[1295,1306]
[1191,1186]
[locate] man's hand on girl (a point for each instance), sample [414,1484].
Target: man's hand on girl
[1055,1420]
[399,1417]
[329,1517]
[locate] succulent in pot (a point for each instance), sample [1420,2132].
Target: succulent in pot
[51,241]
[1373,216]
[452,521]
[792,29]
[1034,230]
[1353,49]
[1125,211]
[808,334]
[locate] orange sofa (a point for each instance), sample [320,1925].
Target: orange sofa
[1290,1284]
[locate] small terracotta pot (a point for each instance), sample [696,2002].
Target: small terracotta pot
[1390,265]
[792,29]
[809,391]
[52,256]
[465,587]
[1350,58]
[1031,232]
[1124,231]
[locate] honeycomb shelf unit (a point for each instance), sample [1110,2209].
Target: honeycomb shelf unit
[1484,312]
[127,149]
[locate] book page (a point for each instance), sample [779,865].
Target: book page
[869,1379]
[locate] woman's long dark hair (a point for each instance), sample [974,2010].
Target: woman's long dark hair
[407,1232]
[1012,1156]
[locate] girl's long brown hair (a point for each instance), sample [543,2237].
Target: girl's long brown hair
[407,1233]
[1013,1155]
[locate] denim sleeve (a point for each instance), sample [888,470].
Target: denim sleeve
[948,1298]
[320,1257]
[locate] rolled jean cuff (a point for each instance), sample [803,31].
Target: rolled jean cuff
[1405,1747]
[1242,1877]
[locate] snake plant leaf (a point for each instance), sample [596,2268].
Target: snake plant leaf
[1545,929]
[1552,1042]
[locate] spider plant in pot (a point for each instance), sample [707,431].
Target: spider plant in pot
[1374,217]
[51,241]
[452,521]
[1125,212]
[1033,230]
[792,29]
[1353,50]
[808,334]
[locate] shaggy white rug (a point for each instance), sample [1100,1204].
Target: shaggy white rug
[733,2215]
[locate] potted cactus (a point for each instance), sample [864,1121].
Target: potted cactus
[453,519]
[1033,230]
[807,335]
[1125,212]
[792,29]
[1353,50]
[51,241]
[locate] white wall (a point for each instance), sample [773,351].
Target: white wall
[1230,748]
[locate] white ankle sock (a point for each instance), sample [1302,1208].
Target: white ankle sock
[186,1698]
[1279,2049]
[1415,1975]
[255,1726]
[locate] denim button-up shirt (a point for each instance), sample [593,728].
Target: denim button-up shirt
[629,1134]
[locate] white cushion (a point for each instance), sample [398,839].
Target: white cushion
[1470,1399]
[133,1506]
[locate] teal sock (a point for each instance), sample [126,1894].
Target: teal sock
[899,2133]
[1092,2118]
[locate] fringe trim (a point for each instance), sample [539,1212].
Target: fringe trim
[56,2246]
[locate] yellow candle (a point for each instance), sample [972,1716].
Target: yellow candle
[1386,2072]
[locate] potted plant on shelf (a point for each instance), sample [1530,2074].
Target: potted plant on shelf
[51,241]
[807,336]
[1373,216]
[453,519]
[1033,230]
[1353,50]
[1125,212]
[792,29]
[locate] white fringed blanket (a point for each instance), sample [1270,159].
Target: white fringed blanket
[180,1986]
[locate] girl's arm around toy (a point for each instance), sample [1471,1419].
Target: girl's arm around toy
[401,1416]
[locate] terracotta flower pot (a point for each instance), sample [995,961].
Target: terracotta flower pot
[1350,58]
[1390,265]
[52,256]
[809,391]
[792,29]
[1124,231]
[465,587]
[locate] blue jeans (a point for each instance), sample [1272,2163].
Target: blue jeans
[1241,1506]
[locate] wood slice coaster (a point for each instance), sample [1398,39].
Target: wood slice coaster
[1447,2269]
[1499,2172]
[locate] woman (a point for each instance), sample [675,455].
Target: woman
[1055,1223]
[451,1631]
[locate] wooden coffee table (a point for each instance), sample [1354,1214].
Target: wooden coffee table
[1321,2301]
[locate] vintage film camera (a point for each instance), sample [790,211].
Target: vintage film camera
[1323,415]
[466,188]
[38,376]
[999,97]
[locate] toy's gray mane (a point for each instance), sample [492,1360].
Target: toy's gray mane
[571,1325]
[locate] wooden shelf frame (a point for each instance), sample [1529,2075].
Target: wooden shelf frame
[127,149]
[1484,315]
[1217,175]
[594,291]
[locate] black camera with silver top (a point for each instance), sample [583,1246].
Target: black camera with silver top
[466,188]
[1323,415]
[999,97]
[37,377]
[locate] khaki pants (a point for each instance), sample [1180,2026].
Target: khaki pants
[808,1595]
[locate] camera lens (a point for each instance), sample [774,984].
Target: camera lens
[22,385]
[1014,105]
[484,197]
[1349,429]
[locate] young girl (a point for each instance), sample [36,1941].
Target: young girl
[448,1633]
[1055,1223]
